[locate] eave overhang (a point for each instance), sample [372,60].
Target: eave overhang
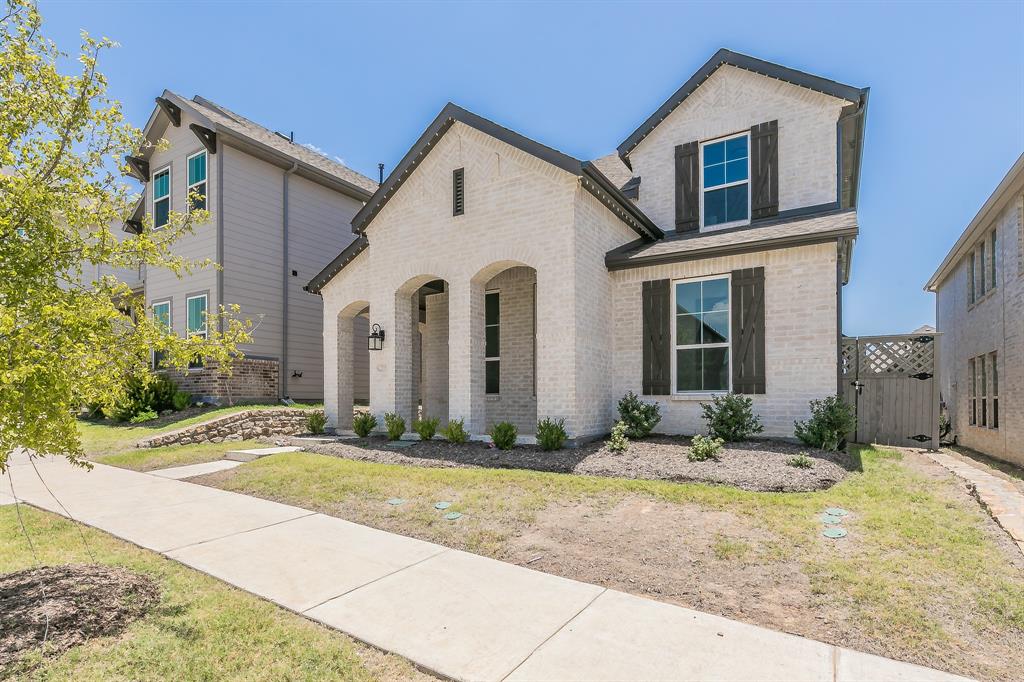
[316,284]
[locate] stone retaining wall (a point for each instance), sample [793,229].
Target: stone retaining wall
[238,426]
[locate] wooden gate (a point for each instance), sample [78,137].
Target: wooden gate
[892,382]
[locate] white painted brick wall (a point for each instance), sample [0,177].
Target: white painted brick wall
[434,333]
[800,334]
[994,323]
[516,401]
[731,101]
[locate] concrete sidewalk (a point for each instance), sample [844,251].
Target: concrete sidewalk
[457,614]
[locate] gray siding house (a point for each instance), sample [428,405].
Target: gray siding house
[979,309]
[279,211]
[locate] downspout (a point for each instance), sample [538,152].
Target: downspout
[220,232]
[839,317]
[283,370]
[857,110]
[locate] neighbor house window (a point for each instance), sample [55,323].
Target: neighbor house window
[726,172]
[979,364]
[971,293]
[992,263]
[195,321]
[993,391]
[972,393]
[161,197]
[492,349]
[162,316]
[982,270]
[701,335]
[197,179]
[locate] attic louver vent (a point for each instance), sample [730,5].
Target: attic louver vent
[458,191]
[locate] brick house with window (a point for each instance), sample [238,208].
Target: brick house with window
[278,213]
[513,282]
[979,308]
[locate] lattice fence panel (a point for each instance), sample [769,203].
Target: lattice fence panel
[896,357]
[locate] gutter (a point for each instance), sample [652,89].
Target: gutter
[282,385]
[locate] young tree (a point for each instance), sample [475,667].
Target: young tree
[64,340]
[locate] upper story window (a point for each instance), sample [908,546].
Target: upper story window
[197,179]
[162,316]
[725,180]
[195,309]
[161,197]
[701,335]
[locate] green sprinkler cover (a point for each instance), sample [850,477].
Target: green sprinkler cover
[836,511]
[442,505]
[395,501]
[451,516]
[830,520]
[834,533]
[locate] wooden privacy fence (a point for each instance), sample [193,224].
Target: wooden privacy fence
[892,383]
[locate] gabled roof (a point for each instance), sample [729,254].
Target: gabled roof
[1010,187]
[742,61]
[262,141]
[592,178]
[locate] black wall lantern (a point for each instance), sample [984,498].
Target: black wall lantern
[375,341]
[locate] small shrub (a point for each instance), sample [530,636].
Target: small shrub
[455,431]
[801,461]
[731,417]
[639,417]
[504,435]
[180,400]
[144,416]
[426,428]
[831,420]
[363,424]
[618,441]
[704,448]
[163,392]
[316,421]
[394,424]
[551,434]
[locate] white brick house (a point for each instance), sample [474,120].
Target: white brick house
[513,282]
[979,309]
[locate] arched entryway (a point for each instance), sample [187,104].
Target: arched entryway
[421,349]
[353,364]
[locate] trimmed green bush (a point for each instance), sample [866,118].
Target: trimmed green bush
[455,431]
[551,434]
[154,393]
[316,421]
[639,417]
[831,421]
[394,424]
[504,435]
[618,441]
[426,428]
[144,416]
[704,448]
[363,424]
[180,400]
[731,417]
[801,461]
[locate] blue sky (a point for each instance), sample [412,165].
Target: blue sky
[361,81]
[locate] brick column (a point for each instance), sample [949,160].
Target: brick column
[466,379]
[344,353]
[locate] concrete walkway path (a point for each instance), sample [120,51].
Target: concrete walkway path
[1003,500]
[457,614]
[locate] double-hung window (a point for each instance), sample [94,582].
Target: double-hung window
[972,390]
[725,194]
[971,289]
[982,270]
[162,316]
[701,335]
[992,263]
[979,363]
[195,321]
[492,344]
[993,391]
[197,180]
[161,197]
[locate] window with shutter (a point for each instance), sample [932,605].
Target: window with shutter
[657,337]
[458,191]
[748,331]
[687,187]
[701,334]
[764,170]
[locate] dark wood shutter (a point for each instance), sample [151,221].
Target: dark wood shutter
[687,187]
[748,375]
[657,341]
[458,191]
[764,170]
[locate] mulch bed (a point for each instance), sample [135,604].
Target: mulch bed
[82,601]
[758,465]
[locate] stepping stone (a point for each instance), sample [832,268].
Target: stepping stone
[400,443]
[191,470]
[451,516]
[256,453]
[836,511]
[315,439]
[442,505]
[834,533]
[395,501]
[831,520]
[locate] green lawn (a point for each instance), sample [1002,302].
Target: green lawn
[201,629]
[924,575]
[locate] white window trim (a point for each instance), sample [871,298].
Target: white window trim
[205,331]
[188,189]
[170,193]
[497,357]
[683,395]
[700,169]
[169,302]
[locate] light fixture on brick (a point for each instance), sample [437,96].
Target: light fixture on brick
[375,341]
